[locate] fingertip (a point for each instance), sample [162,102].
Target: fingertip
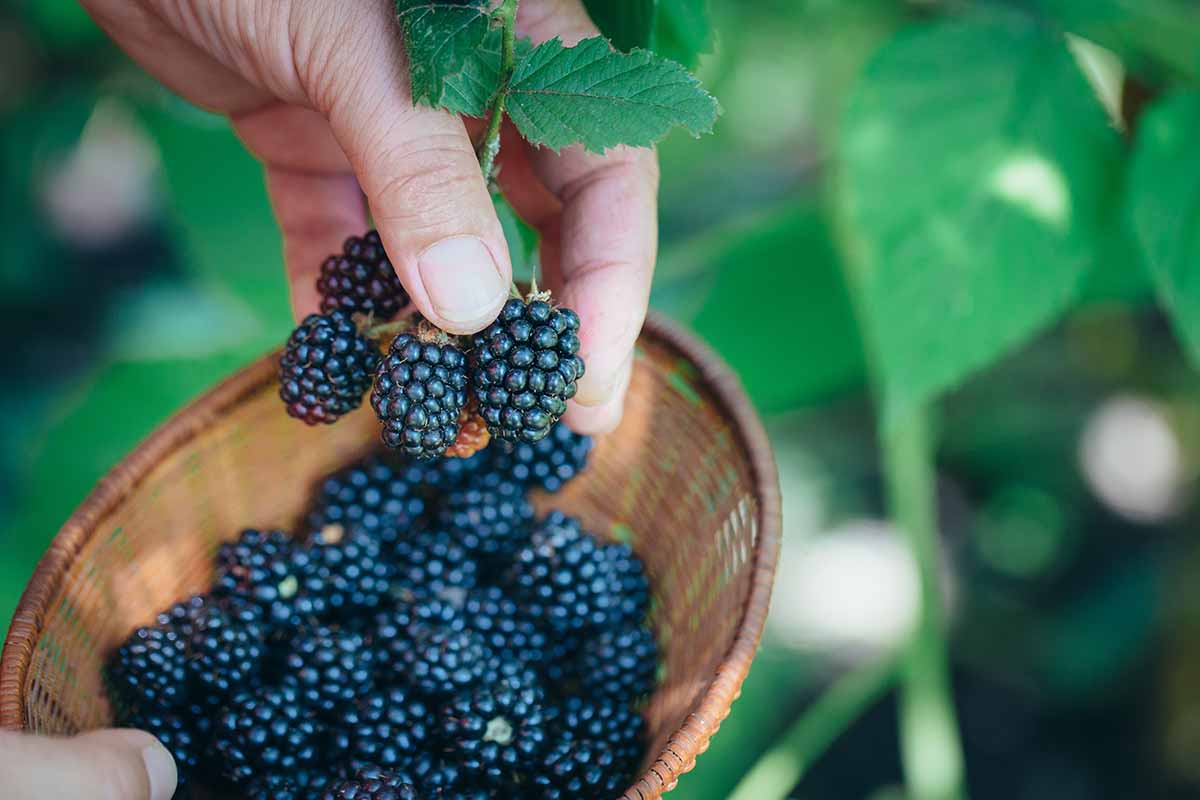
[461,283]
[603,417]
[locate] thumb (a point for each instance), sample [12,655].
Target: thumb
[102,765]
[427,195]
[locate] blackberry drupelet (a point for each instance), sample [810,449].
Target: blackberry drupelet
[378,495]
[444,474]
[268,570]
[490,517]
[588,719]
[329,668]
[386,728]
[496,732]
[296,785]
[268,730]
[182,616]
[440,661]
[326,368]
[620,664]
[148,672]
[176,733]
[547,463]
[361,280]
[579,770]
[433,563]
[226,647]
[570,581]
[525,367]
[373,783]
[438,776]
[419,390]
[358,577]
[505,626]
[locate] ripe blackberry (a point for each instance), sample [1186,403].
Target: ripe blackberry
[591,719]
[326,368]
[506,627]
[581,770]
[268,730]
[386,728]
[176,734]
[377,495]
[524,367]
[489,517]
[618,664]
[329,668]
[440,661]
[358,577]
[433,563]
[496,732]
[226,647]
[547,463]
[420,388]
[439,475]
[439,776]
[373,783]
[633,588]
[148,672]
[181,617]
[296,785]
[361,280]
[571,581]
[268,570]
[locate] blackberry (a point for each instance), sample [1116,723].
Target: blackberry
[226,647]
[373,783]
[506,628]
[490,517]
[358,577]
[496,732]
[590,719]
[325,368]
[433,563]
[329,668]
[181,617]
[441,661]
[296,785]
[386,728]
[619,664]
[177,735]
[438,776]
[148,672]
[524,368]
[633,588]
[547,463]
[581,770]
[572,582]
[377,495]
[361,280]
[268,730]
[420,388]
[268,570]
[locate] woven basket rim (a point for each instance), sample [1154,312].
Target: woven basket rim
[677,756]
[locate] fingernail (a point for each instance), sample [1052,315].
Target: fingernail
[462,279]
[160,769]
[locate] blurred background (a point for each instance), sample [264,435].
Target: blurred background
[139,264]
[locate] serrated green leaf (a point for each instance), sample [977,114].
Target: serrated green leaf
[470,91]
[976,167]
[628,24]
[683,30]
[601,98]
[1164,208]
[440,39]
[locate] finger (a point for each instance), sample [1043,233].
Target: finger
[102,765]
[426,193]
[606,416]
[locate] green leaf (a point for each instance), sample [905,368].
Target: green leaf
[1164,208]
[440,39]
[470,90]
[628,24]
[521,238]
[1155,38]
[683,31]
[976,166]
[601,98]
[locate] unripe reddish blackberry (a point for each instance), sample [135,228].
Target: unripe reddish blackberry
[326,368]
[524,369]
[420,389]
[361,280]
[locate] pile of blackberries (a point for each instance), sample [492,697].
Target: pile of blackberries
[515,377]
[423,634]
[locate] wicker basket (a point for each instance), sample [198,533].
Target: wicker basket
[688,479]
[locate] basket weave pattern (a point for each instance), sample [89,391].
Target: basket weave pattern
[688,480]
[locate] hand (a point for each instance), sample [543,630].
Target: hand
[318,91]
[102,765]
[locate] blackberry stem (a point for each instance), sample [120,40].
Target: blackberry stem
[490,148]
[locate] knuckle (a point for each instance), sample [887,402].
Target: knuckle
[429,183]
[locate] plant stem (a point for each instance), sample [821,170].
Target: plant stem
[490,148]
[778,771]
[931,750]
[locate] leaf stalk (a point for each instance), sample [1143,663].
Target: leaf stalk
[506,14]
